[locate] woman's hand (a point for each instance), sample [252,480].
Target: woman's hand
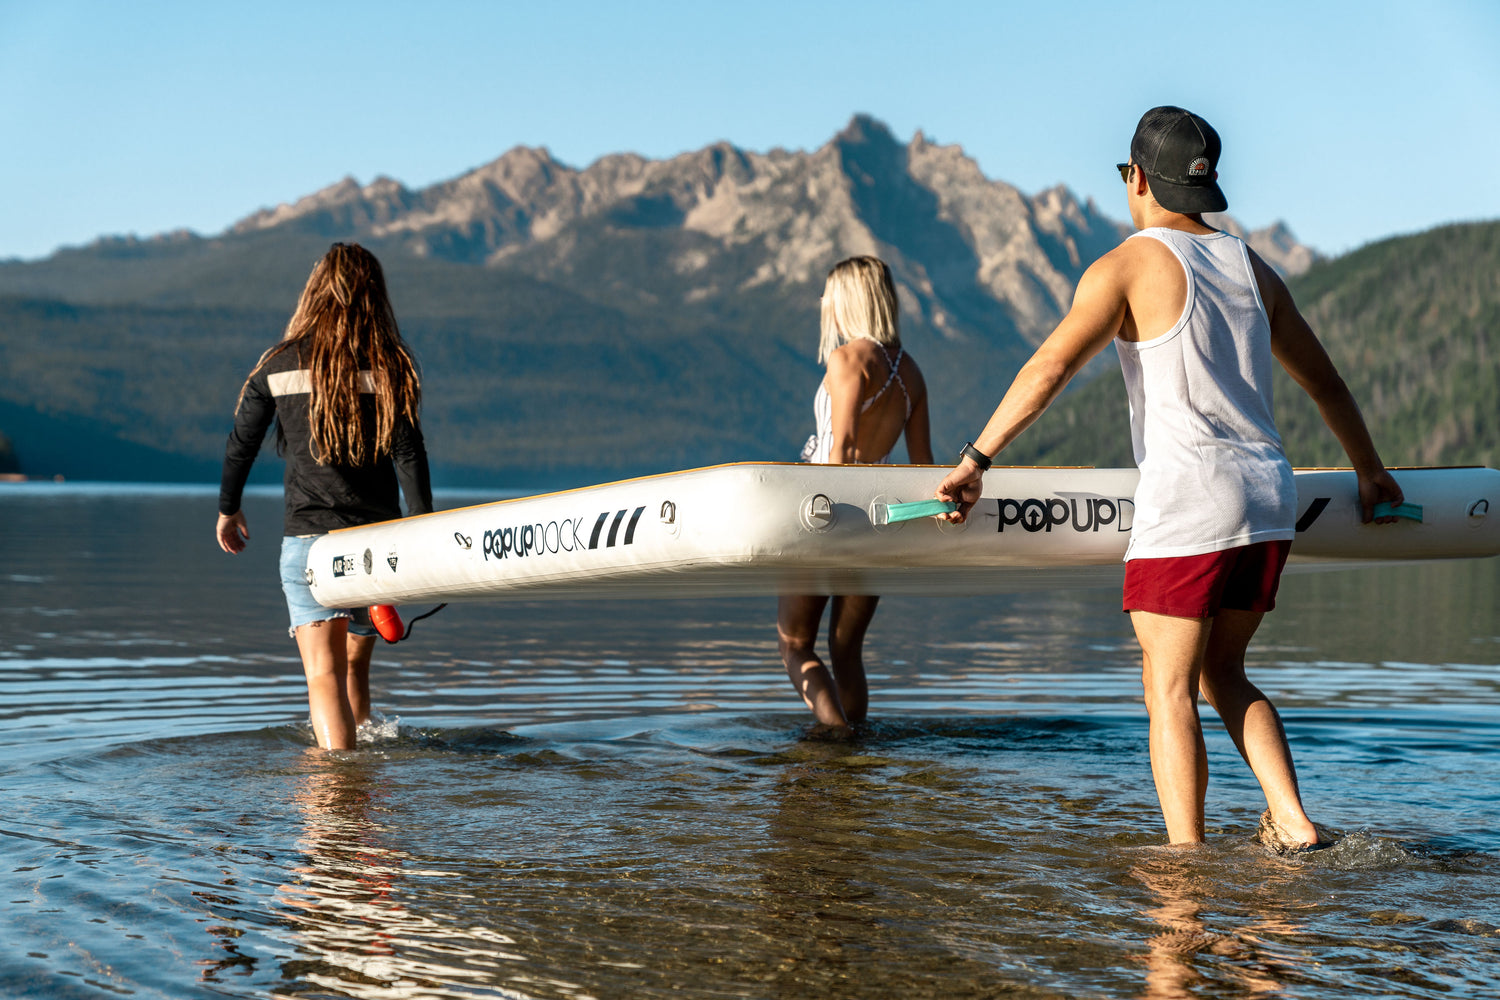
[233,532]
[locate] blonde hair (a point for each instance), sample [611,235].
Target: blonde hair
[344,323]
[859,303]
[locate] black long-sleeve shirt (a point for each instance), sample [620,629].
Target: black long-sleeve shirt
[320,498]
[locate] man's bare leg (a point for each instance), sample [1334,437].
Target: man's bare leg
[797,621]
[358,650]
[1171,657]
[325,664]
[848,622]
[1252,721]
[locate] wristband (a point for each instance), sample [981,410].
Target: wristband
[976,456]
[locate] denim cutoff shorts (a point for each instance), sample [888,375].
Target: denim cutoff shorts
[300,604]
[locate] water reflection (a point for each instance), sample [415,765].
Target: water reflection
[359,906]
[1182,956]
[874,883]
[344,906]
[342,903]
[817,911]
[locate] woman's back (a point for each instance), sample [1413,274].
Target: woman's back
[343,389]
[880,390]
[322,495]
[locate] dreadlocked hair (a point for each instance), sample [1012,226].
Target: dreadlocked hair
[346,336]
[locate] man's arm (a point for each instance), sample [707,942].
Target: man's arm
[1098,310]
[1302,355]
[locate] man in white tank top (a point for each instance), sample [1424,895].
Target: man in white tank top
[1197,318]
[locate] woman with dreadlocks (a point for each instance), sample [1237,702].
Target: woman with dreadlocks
[342,387]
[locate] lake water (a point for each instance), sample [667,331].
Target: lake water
[622,800]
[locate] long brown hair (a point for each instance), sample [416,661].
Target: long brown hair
[344,323]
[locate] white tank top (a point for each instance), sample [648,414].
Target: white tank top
[1213,473]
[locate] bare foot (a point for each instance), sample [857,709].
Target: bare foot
[829,732]
[1282,841]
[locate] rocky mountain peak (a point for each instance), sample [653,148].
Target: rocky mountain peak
[341,206]
[522,173]
[865,128]
[972,253]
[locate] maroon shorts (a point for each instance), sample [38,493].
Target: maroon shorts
[1242,579]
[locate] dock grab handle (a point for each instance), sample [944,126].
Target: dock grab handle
[1409,511]
[891,513]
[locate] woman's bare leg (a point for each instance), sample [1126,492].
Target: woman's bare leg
[797,621]
[848,623]
[325,663]
[358,650]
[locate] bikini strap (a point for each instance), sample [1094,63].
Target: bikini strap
[896,374]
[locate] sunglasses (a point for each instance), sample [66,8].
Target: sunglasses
[1125,169]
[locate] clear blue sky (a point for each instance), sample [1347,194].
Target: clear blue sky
[1349,120]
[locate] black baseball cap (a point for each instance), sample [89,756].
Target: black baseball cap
[1179,152]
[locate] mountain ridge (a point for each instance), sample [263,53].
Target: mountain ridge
[697,276]
[526,196]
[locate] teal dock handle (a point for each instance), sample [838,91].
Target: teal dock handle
[1410,511]
[911,511]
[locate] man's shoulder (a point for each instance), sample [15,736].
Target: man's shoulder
[1273,291]
[1146,276]
[1143,245]
[1135,256]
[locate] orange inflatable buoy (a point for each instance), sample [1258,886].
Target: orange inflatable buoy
[387,622]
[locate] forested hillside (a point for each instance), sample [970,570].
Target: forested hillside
[528,379]
[1413,324]
[546,389]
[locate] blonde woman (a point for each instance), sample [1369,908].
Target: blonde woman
[342,387]
[872,393]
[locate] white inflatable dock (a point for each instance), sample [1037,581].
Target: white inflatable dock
[768,528]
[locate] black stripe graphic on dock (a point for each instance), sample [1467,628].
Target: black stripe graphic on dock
[598,526]
[1313,510]
[614,529]
[630,528]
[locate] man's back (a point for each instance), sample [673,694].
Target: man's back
[1213,474]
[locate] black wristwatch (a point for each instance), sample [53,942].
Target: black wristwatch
[976,456]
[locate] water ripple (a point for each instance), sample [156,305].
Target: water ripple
[563,804]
